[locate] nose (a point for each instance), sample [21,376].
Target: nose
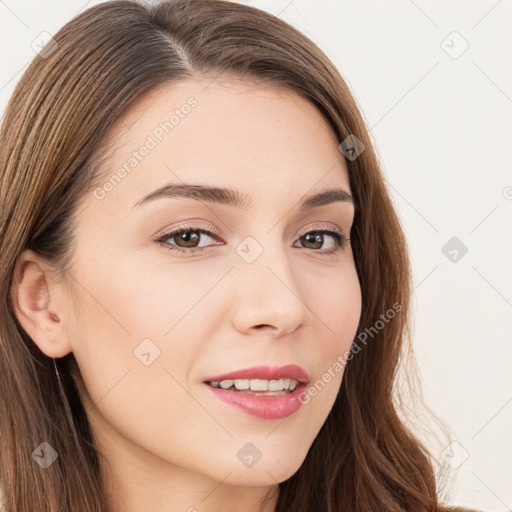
[269,296]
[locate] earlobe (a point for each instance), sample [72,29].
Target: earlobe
[34,301]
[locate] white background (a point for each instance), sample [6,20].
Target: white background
[442,126]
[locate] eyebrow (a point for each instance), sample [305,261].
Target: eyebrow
[231,197]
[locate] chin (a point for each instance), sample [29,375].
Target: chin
[274,466]
[261,475]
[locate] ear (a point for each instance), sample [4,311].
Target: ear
[36,302]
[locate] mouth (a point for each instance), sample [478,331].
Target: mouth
[258,387]
[261,379]
[263,391]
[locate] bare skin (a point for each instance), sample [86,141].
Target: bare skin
[170,444]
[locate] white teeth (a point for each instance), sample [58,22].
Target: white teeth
[225,384]
[241,383]
[257,384]
[275,385]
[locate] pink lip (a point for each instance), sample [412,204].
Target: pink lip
[265,407]
[291,371]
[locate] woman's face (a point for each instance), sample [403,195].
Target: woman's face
[270,287]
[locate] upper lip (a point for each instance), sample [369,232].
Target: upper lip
[290,371]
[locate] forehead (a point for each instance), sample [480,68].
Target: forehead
[226,133]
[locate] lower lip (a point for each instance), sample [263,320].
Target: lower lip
[272,407]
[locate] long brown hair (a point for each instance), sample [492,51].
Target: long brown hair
[53,143]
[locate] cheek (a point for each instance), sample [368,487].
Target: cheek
[337,311]
[136,378]
[138,300]
[136,341]
[158,296]
[147,321]
[337,305]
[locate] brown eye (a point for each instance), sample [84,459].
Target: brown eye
[187,239]
[315,240]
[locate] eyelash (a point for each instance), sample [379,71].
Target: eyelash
[341,239]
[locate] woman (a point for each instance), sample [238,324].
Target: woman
[196,241]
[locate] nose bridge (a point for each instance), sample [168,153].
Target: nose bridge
[269,292]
